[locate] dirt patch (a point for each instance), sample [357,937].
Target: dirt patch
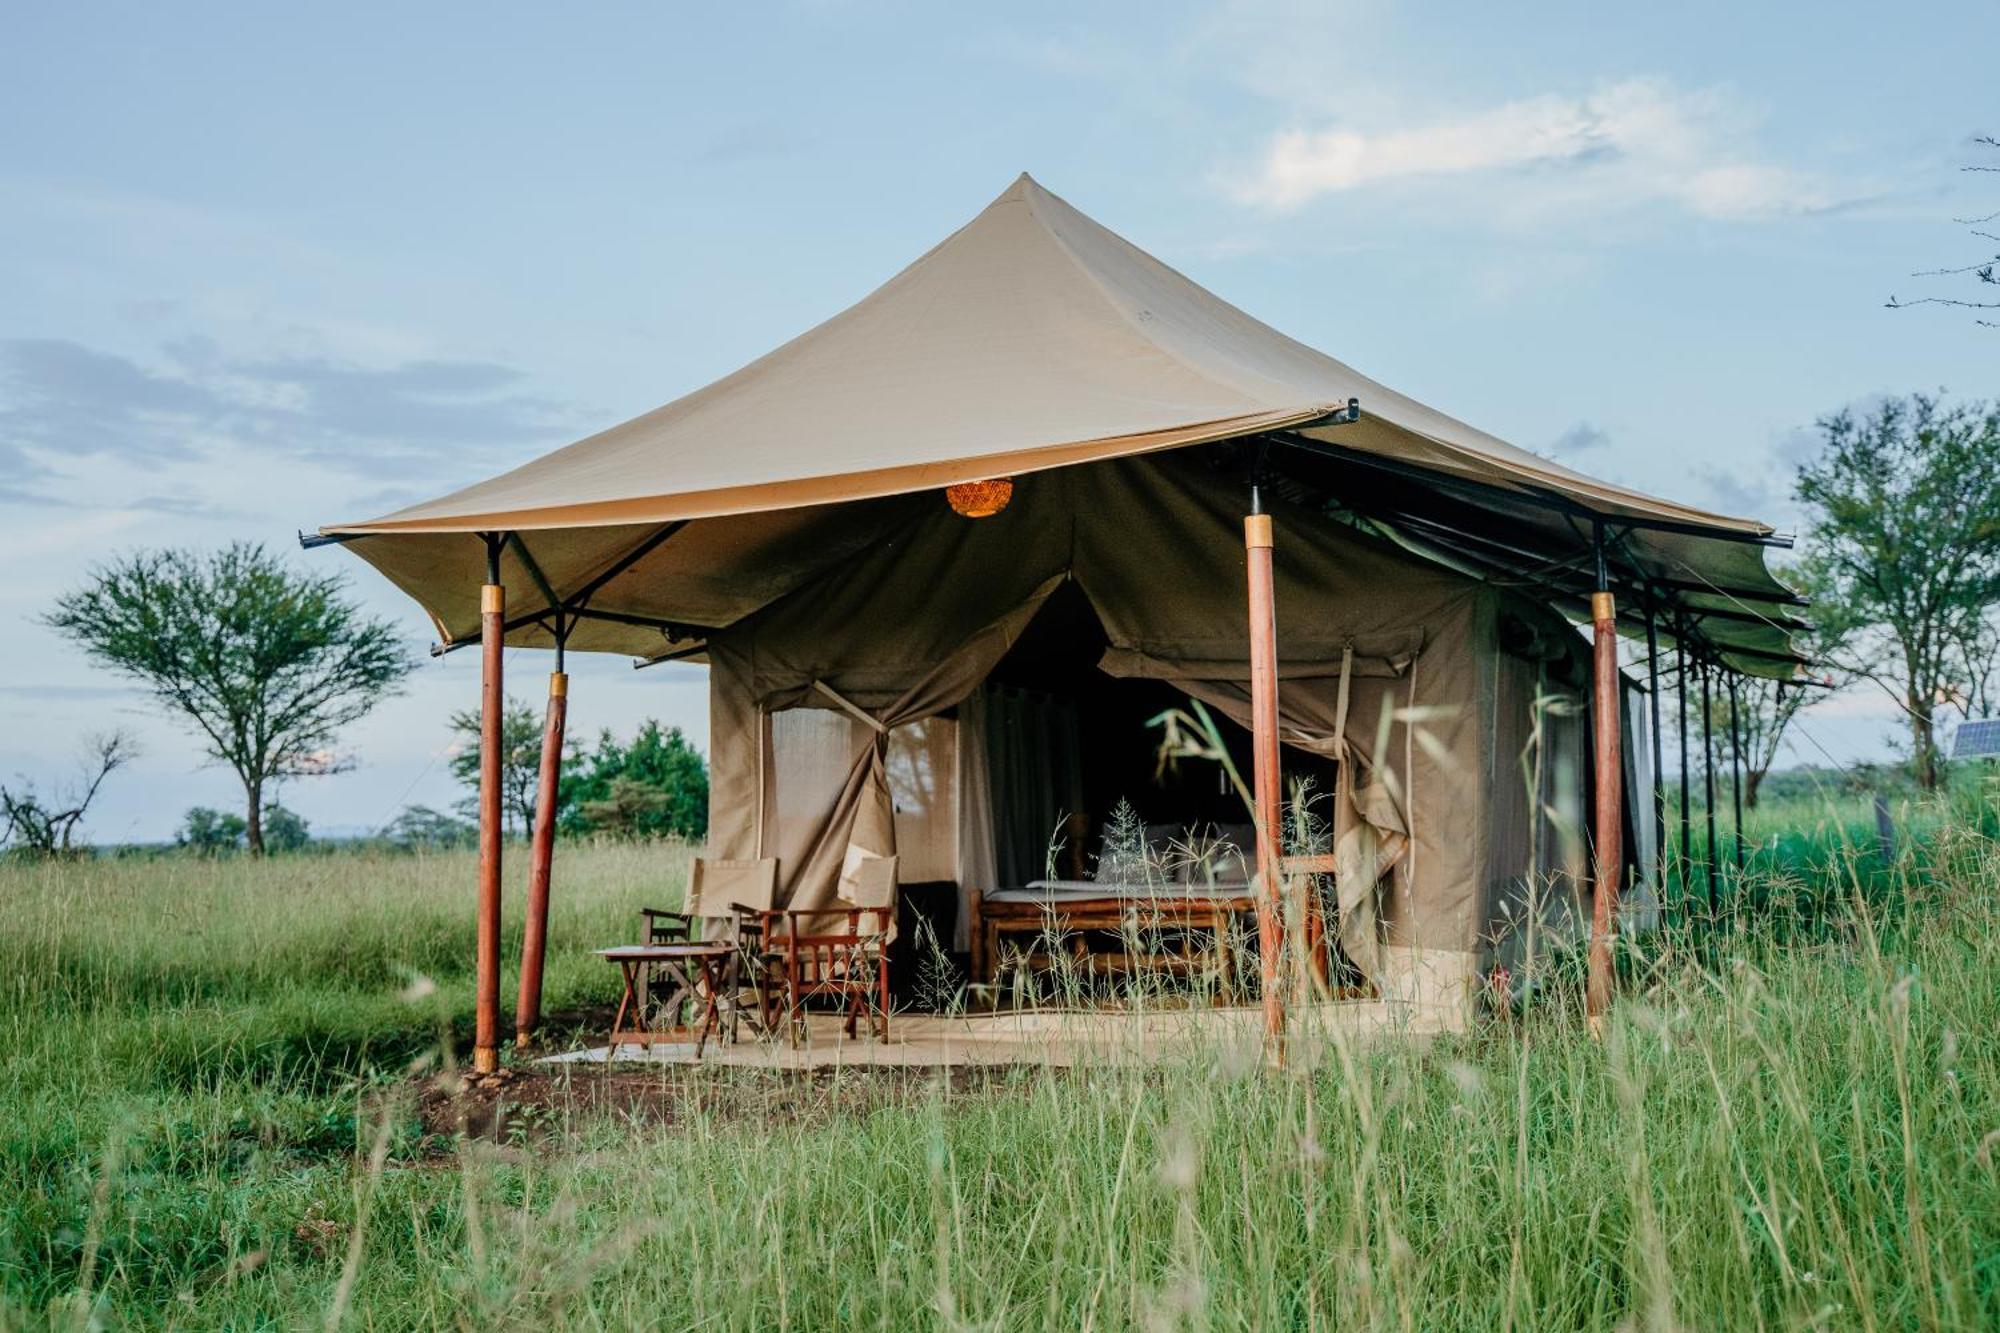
[537,1102]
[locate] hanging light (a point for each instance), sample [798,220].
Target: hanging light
[980,499]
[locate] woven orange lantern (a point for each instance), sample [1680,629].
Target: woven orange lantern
[980,499]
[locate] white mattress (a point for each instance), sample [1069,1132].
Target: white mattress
[1054,890]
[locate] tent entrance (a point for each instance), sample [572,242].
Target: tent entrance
[1068,745]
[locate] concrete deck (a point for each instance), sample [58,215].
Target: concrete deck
[1051,1037]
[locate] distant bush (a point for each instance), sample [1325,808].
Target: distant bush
[207,832]
[656,787]
[420,828]
[285,830]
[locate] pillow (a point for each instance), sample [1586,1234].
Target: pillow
[1221,854]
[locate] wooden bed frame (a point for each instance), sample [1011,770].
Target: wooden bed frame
[1214,910]
[1070,916]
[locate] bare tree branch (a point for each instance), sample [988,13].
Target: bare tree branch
[39,827]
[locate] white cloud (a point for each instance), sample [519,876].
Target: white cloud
[1641,141]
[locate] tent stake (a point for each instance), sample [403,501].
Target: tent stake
[1264,737]
[492,701]
[1707,671]
[1608,788]
[541,851]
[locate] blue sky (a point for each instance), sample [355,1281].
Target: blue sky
[263,268]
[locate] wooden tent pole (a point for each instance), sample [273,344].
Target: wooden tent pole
[541,851]
[1264,760]
[492,699]
[1609,789]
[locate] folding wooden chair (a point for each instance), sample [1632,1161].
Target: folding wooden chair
[840,951]
[728,899]
[663,927]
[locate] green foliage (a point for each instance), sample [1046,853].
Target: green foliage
[207,832]
[655,787]
[520,760]
[285,830]
[629,809]
[265,664]
[1905,544]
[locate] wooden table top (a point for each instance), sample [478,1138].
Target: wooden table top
[645,953]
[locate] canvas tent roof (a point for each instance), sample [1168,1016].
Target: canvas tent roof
[1033,338]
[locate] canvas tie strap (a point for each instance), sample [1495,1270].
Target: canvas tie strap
[848,705]
[1340,706]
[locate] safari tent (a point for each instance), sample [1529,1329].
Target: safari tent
[947,553]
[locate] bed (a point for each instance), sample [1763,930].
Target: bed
[1159,927]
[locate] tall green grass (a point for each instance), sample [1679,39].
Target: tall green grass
[206,1120]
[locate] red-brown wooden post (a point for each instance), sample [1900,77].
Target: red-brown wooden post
[541,854]
[1264,763]
[1609,785]
[492,700]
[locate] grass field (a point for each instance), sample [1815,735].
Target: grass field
[208,1118]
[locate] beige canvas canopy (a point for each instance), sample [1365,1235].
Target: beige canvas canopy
[1030,339]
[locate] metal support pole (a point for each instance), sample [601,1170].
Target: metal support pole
[1707,671]
[1658,868]
[541,850]
[1608,787]
[1687,810]
[1264,761]
[1736,769]
[492,702]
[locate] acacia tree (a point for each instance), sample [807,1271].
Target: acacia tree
[1904,505]
[520,760]
[266,664]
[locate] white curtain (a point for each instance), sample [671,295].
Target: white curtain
[977,868]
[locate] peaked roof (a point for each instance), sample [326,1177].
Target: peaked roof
[1034,338]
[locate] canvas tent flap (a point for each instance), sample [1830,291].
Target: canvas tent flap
[1029,340]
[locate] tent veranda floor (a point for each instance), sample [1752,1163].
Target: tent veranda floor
[1049,1037]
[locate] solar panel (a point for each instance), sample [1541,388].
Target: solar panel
[1977,739]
